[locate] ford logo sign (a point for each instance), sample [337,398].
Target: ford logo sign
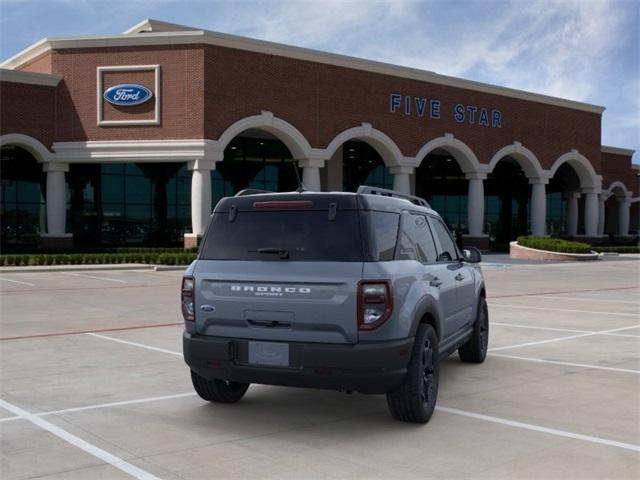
[127,94]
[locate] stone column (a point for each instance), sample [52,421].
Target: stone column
[538,206]
[475,203]
[601,214]
[401,181]
[311,173]
[590,213]
[572,213]
[200,200]
[624,205]
[56,202]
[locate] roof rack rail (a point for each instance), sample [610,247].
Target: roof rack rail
[251,191]
[392,193]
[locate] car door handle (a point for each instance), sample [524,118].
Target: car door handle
[435,282]
[459,277]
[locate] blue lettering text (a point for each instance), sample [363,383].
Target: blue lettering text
[394,102]
[484,117]
[435,108]
[459,113]
[421,105]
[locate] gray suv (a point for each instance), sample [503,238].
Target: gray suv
[362,292]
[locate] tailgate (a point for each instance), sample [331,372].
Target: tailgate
[278,301]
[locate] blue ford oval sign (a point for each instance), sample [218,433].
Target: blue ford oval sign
[127,94]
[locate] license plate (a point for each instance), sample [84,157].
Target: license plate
[269,353]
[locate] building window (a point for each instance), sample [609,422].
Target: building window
[362,165]
[254,162]
[22,206]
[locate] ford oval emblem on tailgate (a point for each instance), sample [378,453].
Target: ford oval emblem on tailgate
[208,308]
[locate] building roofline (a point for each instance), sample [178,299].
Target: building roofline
[617,151]
[187,37]
[31,78]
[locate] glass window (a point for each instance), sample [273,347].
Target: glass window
[448,252]
[304,236]
[384,231]
[424,239]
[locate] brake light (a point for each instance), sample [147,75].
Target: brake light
[284,204]
[186,299]
[375,303]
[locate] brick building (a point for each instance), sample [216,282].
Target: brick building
[130,139]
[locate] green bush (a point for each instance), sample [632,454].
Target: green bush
[180,257]
[554,245]
[618,249]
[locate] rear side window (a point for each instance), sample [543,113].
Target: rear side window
[416,241]
[448,252]
[284,236]
[384,233]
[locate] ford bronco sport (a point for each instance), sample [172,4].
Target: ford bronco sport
[361,292]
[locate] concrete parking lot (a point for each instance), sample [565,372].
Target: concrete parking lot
[93,386]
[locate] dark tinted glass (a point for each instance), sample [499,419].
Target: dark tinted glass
[426,246]
[449,251]
[384,231]
[304,235]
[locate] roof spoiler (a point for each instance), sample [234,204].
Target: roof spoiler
[366,189]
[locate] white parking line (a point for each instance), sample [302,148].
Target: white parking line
[84,275]
[591,312]
[537,428]
[18,281]
[568,364]
[141,345]
[560,339]
[103,405]
[588,299]
[553,329]
[70,438]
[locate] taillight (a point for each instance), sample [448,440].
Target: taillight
[375,303]
[186,298]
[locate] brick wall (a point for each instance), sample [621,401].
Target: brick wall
[618,168]
[28,109]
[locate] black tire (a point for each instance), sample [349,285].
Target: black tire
[219,391]
[415,400]
[475,349]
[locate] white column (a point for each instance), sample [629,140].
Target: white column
[601,214]
[475,203]
[311,173]
[56,199]
[200,195]
[401,181]
[590,213]
[572,213]
[538,206]
[624,205]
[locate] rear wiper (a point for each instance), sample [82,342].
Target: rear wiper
[282,252]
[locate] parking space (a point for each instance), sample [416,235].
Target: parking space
[93,386]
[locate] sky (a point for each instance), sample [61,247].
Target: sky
[584,50]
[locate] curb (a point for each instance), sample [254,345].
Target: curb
[521,252]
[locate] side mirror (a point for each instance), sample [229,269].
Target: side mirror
[471,255]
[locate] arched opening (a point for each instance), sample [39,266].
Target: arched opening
[362,165]
[22,207]
[561,187]
[441,181]
[254,159]
[616,201]
[507,203]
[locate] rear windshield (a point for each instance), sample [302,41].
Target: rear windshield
[284,236]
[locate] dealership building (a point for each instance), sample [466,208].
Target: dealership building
[131,139]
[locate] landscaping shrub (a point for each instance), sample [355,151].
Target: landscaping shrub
[173,257]
[618,249]
[554,245]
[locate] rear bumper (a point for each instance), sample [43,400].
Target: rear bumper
[367,367]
